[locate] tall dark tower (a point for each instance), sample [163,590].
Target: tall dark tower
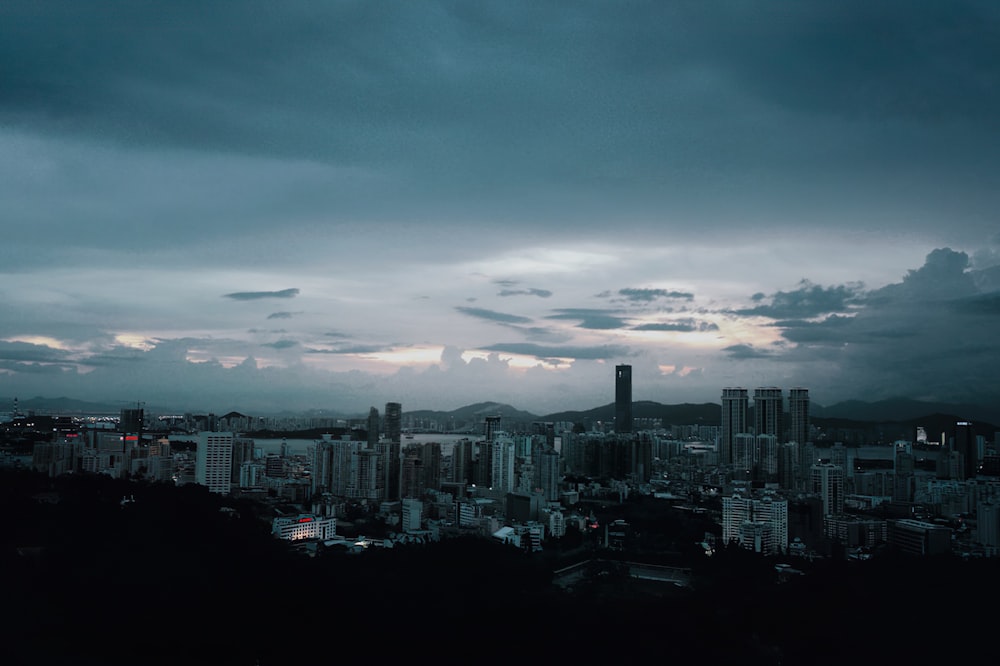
[392,449]
[734,421]
[491,426]
[394,421]
[372,428]
[964,442]
[798,415]
[768,408]
[623,398]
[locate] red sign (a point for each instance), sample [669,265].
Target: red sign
[305,520]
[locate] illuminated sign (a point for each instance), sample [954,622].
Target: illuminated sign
[305,520]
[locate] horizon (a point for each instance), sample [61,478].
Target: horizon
[975,412]
[446,203]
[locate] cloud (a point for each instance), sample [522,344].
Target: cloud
[353,349]
[541,293]
[809,300]
[281,315]
[541,333]
[256,295]
[491,315]
[26,352]
[591,319]
[647,295]
[683,325]
[601,352]
[281,344]
[742,352]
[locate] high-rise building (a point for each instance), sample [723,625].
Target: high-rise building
[394,421]
[828,483]
[549,474]
[798,415]
[768,409]
[491,426]
[372,428]
[734,421]
[214,460]
[964,442]
[760,524]
[502,463]
[623,398]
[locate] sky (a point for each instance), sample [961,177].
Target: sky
[330,205]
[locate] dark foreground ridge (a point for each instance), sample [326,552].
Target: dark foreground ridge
[183,576]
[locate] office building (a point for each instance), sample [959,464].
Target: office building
[623,398]
[214,460]
[768,412]
[394,421]
[412,510]
[304,526]
[964,443]
[915,537]
[491,426]
[372,428]
[734,421]
[549,474]
[827,481]
[798,415]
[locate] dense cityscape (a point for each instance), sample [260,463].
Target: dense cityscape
[664,510]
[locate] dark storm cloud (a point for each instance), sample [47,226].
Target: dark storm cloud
[281,315]
[809,300]
[541,293]
[281,344]
[932,334]
[647,295]
[25,352]
[743,352]
[491,315]
[602,352]
[35,368]
[527,102]
[256,295]
[540,333]
[987,305]
[683,326]
[598,320]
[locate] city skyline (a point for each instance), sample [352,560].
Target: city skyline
[342,205]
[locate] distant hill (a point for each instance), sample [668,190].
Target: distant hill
[64,406]
[904,409]
[687,414]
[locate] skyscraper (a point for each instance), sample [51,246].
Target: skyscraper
[394,421]
[623,398]
[734,421]
[964,442]
[372,428]
[828,483]
[768,409]
[798,415]
[391,449]
[213,461]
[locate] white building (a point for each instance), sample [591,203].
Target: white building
[741,514]
[412,510]
[213,461]
[304,526]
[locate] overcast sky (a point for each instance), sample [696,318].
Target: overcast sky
[269,205]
